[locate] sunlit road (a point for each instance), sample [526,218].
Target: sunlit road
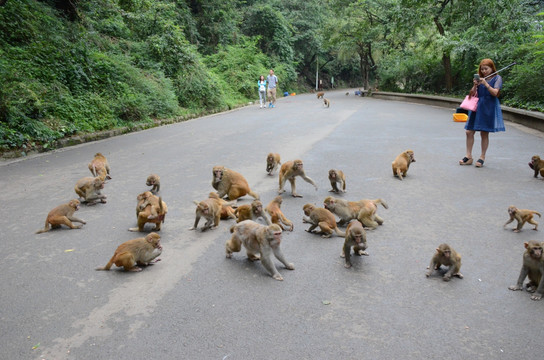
[196,304]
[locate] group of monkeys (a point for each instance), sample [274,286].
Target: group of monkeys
[263,241]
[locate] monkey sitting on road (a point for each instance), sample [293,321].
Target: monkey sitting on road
[229,182]
[326,102]
[532,267]
[445,255]
[537,165]
[521,216]
[337,177]
[63,215]
[155,181]
[89,189]
[402,162]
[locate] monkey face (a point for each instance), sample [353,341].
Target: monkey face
[298,165]
[410,154]
[512,210]
[332,174]
[218,173]
[74,204]
[257,207]
[307,209]
[535,249]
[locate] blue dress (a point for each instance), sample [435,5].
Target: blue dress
[488,115]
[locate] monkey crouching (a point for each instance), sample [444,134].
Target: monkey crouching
[150,209]
[445,255]
[272,163]
[402,162]
[356,238]
[140,251]
[229,182]
[533,261]
[99,167]
[323,218]
[62,215]
[89,190]
[537,165]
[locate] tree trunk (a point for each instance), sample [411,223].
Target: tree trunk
[446,60]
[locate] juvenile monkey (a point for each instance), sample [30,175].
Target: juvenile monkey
[532,268]
[402,163]
[362,210]
[356,238]
[320,94]
[139,251]
[210,209]
[251,212]
[229,182]
[155,181]
[521,216]
[276,215]
[227,207]
[89,188]
[326,102]
[537,165]
[445,255]
[260,242]
[63,215]
[99,166]
[289,171]
[320,217]
[272,162]
[143,214]
[337,177]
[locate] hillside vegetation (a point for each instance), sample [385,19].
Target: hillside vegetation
[72,66]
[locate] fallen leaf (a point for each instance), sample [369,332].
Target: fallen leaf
[69,250]
[36,346]
[326,302]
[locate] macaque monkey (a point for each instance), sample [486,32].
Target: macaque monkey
[402,163]
[347,94]
[260,242]
[320,94]
[89,188]
[521,216]
[276,215]
[445,255]
[229,182]
[99,166]
[145,214]
[272,162]
[210,209]
[63,215]
[337,177]
[227,207]
[533,262]
[251,212]
[155,181]
[326,102]
[139,251]
[362,210]
[321,217]
[537,165]
[356,238]
[289,171]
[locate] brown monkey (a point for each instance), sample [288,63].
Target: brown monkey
[347,94]
[362,210]
[63,215]
[320,94]
[402,163]
[229,182]
[289,171]
[537,165]
[260,242]
[227,207]
[210,209]
[356,238]
[155,181]
[522,216]
[89,188]
[143,215]
[251,212]
[337,176]
[326,102]
[445,255]
[147,198]
[272,162]
[532,268]
[321,217]
[99,166]
[139,251]
[276,215]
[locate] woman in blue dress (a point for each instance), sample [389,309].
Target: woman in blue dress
[488,115]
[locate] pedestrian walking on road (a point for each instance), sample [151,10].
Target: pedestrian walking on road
[261,85]
[488,115]
[272,85]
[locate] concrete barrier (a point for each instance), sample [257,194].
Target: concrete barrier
[531,119]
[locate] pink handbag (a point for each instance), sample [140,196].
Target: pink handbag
[470,103]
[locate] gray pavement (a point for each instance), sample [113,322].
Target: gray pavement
[196,304]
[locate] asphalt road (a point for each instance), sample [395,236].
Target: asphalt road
[196,304]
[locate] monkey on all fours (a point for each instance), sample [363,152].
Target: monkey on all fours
[521,216]
[320,94]
[276,215]
[99,166]
[356,238]
[533,262]
[229,182]
[272,162]
[140,251]
[337,177]
[227,207]
[210,209]
[537,165]
[261,242]
[322,218]
[362,210]
[89,190]
[445,255]
[62,215]
[289,171]
[402,162]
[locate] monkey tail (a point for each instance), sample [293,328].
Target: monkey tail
[339,232]
[45,228]
[108,265]
[232,228]
[253,194]
[381,201]
[537,213]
